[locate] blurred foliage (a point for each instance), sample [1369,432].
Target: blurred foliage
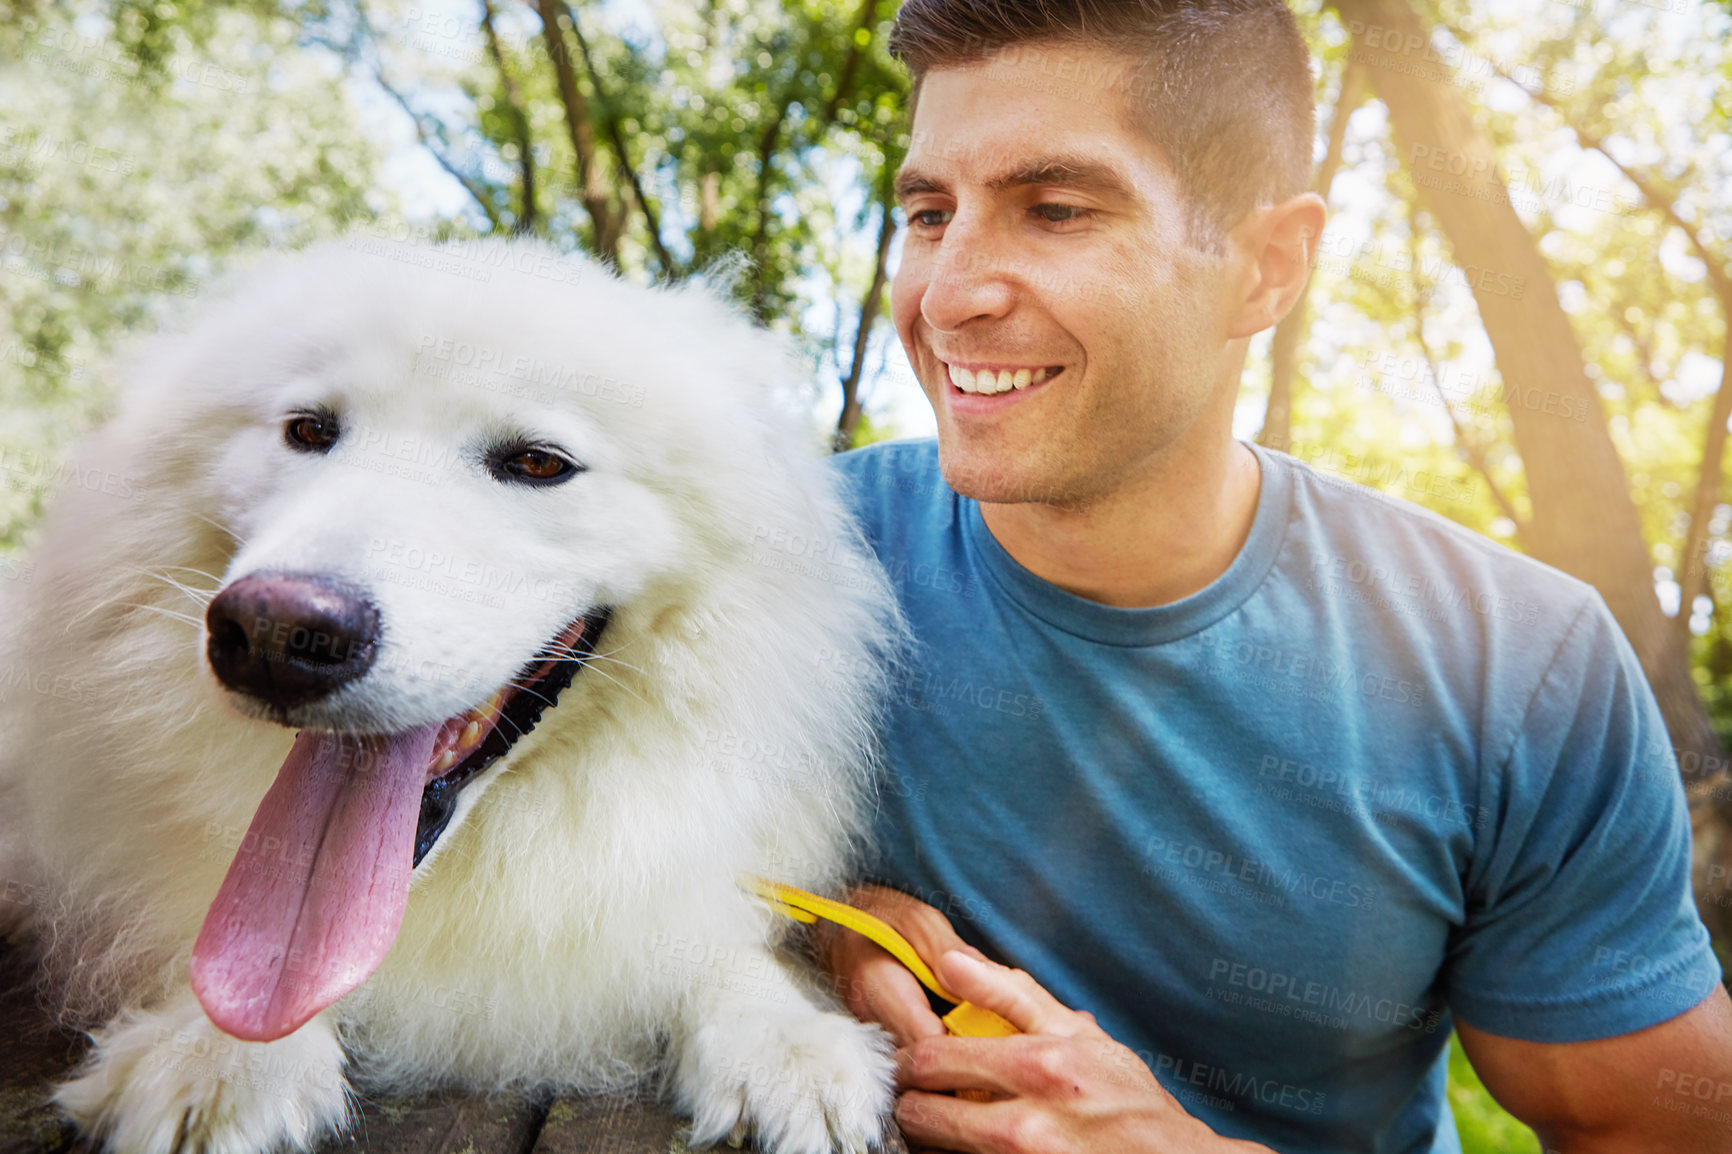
[1483,1125]
[132,167]
[871,432]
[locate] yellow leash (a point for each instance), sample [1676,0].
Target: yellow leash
[966,1020]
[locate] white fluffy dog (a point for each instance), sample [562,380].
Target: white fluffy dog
[575,635]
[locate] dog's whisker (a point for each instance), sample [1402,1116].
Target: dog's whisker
[617,649]
[115,603]
[566,653]
[629,669]
[528,691]
[628,689]
[561,655]
[553,653]
[201,597]
[161,574]
[621,664]
[239,540]
[200,572]
[504,720]
[197,622]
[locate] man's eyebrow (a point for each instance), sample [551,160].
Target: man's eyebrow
[1063,171]
[1066,171]
[910,183]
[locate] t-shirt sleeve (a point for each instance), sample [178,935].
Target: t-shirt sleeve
[1579,918]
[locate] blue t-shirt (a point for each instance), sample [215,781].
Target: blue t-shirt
[1273,835]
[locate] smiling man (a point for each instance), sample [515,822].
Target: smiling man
[1261,781]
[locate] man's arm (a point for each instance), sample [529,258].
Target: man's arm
[1585,864]
[1664,1089]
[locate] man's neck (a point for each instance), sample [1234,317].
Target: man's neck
[1152,542]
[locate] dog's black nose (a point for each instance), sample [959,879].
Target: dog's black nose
[290,638]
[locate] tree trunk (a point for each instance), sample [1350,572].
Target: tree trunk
[849,421]
[616,137]
[1277,430]
[1583,520]
[766,191]
[526,217]
[592,189]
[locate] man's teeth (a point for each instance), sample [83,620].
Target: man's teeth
[988,382]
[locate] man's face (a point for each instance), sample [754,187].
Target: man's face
[1047,247]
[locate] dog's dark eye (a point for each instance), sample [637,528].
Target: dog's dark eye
[532,466]
[312,432]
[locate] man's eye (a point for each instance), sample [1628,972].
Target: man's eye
[1060,213]
[532,467]
[932,217]
[312,432]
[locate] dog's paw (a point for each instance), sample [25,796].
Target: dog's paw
[168,1082]
[802,1080]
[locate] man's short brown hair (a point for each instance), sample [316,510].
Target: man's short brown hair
[1223,87]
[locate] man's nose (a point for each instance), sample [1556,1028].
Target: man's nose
[968,277]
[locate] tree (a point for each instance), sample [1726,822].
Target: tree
[1582,518]
[751,106]
[1277,429]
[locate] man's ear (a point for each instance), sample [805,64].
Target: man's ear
[1279,242]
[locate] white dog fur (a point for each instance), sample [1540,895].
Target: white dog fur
[580,921]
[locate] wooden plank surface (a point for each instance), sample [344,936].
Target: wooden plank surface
[611,1126]
[33,1053]
[443,1124]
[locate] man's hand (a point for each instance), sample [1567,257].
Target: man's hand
[874,985]
[1064,1085]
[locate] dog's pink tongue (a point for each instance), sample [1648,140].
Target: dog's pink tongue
[316,893]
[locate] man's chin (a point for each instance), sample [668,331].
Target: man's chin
[999,481]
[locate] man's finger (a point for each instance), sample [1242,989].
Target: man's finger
[938,1120]
[945,1063]
[881,990]
[926,929]
[1012,995]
